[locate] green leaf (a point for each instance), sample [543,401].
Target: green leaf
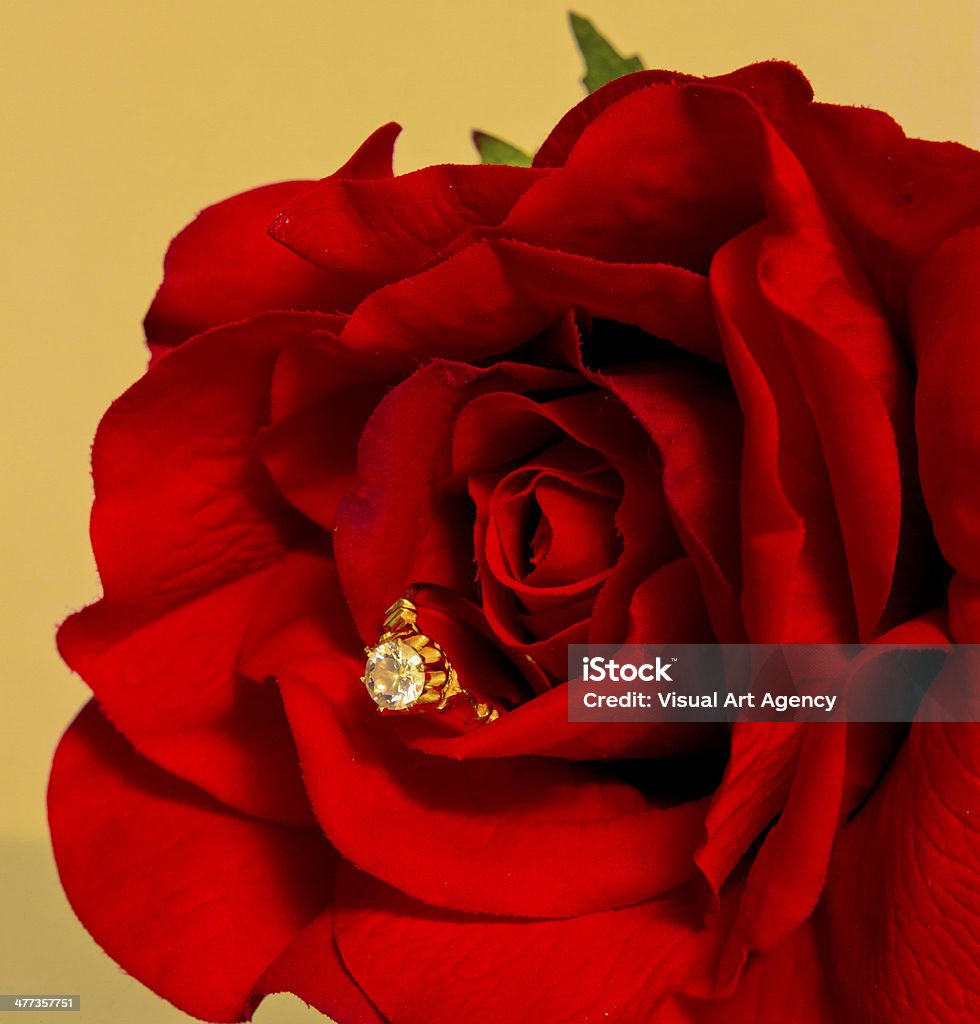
[602,61]
[495,151]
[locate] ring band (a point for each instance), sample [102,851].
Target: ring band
[406,670]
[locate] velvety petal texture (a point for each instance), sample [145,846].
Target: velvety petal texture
[224,267]
[389,228]
[193,899]
[903,892]
[186,528]
[622,962]
[508,823]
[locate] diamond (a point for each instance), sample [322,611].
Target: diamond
[394,675]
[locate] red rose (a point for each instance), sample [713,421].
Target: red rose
[708,370]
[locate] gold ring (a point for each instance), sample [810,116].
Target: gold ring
[409,671]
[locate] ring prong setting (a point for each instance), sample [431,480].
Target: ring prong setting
[407,670]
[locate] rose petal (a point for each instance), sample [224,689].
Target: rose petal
[787,984]
[756,784]
[185,526]
[302,613]
[537,512]
[224,267]
[872,746]
[772,84]
[693,418]
[373,158]
[787,875]
[826,339]
[895,198]
[493,296]
[668,607]
[945,317]
[850,371]
[311,968]
[191,899]
[795,582]
[418,963]
[481,836]
[390,228]
[541,726]
[170,683]
[904,887]
[181,502]
[964,609]
[670,174]
[319,391]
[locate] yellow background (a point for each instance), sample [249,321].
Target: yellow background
[122,119]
